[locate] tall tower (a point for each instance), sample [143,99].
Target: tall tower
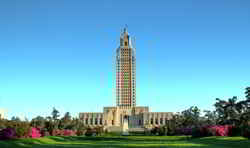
[125,72]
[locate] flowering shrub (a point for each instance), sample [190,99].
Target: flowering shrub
[225,130]
[69,133]
[57,132]
[65,132]
[44,132]
[217,130]
[80,132]
[184,131]
[34,133]
[8,133]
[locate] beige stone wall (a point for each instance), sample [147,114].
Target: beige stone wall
[157,118]
[92,119]
[113,116]
[110,116]
[138,117]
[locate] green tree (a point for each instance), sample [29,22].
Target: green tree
[247,93]
[67,116]
[191,116]
[17,119]
[230,111]
[65,122]
[55,114]
[245,116]
[210,117]
[39,121]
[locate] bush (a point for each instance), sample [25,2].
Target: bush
[184,131]
[34,133]
[154,131]
[246,132]
[80,132]
[22,132]
[236,131]
[90,132]
[57,132]
[44,132]
[99,130]
[69,133]
[217,130]
[8,133]
[159,131]
[162,131]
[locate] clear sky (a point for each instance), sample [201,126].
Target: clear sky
[60,53]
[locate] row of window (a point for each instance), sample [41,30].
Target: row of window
[157,122]
[91,121]
[92,115]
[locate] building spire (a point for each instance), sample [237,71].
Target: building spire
[126,28]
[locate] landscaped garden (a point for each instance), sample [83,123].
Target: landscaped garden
[226,127]
[128,141]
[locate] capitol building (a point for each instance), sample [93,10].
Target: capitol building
[126,113]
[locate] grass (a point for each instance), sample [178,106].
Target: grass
[128,141]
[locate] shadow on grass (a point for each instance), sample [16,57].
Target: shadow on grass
[227,142]
[128,141]
[121,138]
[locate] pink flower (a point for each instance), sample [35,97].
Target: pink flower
[34,133]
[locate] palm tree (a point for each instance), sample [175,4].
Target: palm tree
[228,111]
[247,93]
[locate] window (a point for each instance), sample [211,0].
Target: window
[86,121]
[152,121]
[91,121]
[96,121]
[156,121]
[161,121]
[112,122]
[166,121]
[126,43]
[100,121]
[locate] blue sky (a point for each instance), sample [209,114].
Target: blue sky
[61,53]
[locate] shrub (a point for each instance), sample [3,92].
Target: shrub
[246,132]
[44,132]
[80,132]
[34,133]
[90,132]
[99,130]
[57,132]
[217,130]
[184,131]
[162,131]
[236,131]
[154,131]
[8,133]
[22,131]
[196,132]
[159,131]
[69,133]
[225,130]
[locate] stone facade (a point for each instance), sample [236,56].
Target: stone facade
[92,119]
[137,117]
[125,109]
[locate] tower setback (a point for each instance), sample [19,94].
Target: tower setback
[125,116]
[125,72]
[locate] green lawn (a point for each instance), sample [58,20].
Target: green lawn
[129,141]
